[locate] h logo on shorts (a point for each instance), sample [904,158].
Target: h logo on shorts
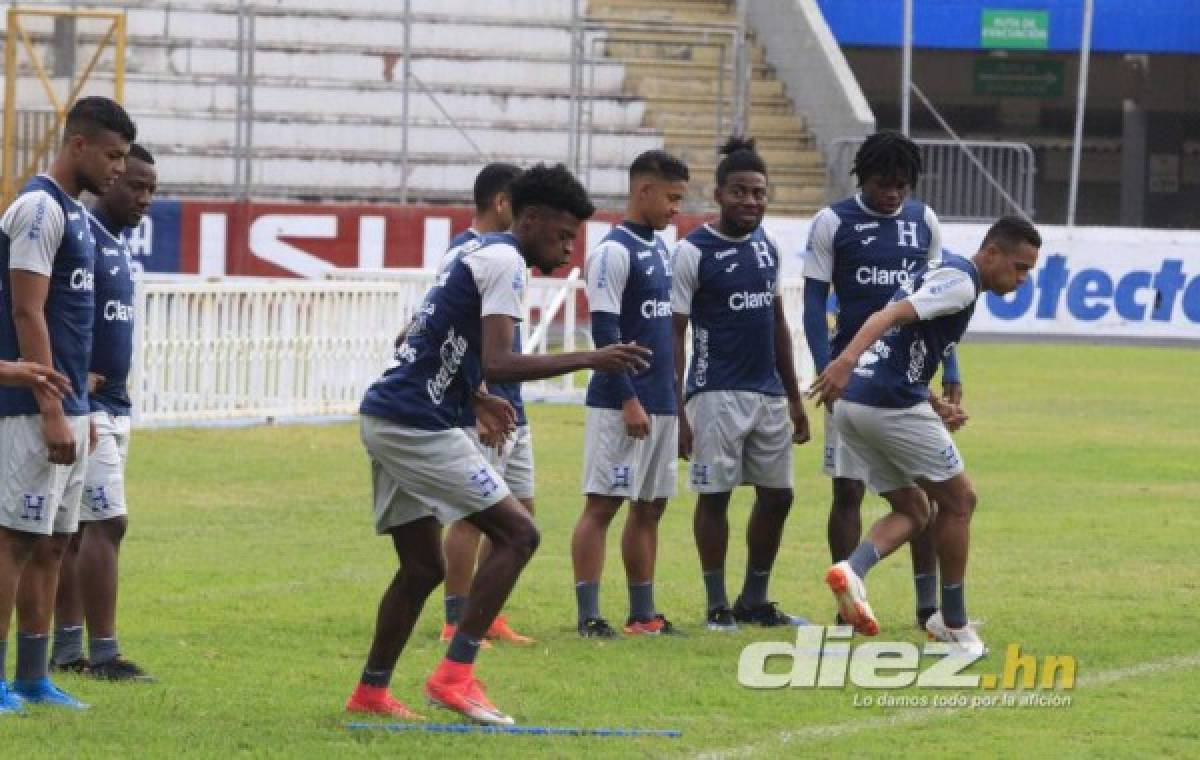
[98,497]
[699,474]
[621,473]
[950,458]
[829,457]
[34,507]
[486,483]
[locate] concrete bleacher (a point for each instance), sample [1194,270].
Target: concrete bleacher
[328,96]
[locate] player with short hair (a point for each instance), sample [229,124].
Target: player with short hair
[46,310]
[631,430]
[513,457]
[865,246]
[743,407]
[87,583]
[425,469]
[901,432]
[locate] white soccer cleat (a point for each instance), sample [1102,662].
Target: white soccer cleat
[851,595]
[965,639]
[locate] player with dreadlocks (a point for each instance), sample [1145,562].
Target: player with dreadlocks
[866,246]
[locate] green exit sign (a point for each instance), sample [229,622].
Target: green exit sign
[1025,79]
[1014,29]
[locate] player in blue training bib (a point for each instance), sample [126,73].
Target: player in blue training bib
[890,421]
[89,578]
[865,247]
[631,429]
[743,408]
[47,300]
[426,470]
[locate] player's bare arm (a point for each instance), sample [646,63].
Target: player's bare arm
[679,326]
[786,367]
[29,293]
[502,365]
[828,387]
[39,377]
[495,418]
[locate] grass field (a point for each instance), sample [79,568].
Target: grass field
[251,576]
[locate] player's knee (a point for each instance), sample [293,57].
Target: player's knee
[421,578]
[776,499]
[650,511]
[526,540]
[114,529]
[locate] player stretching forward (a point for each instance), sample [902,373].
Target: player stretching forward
[425,468]
[46,309]
[865,246]
[888,419]
[493,213]
[743,408]
[87,583]
[631,432]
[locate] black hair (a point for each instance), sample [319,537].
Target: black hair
[140,153]
[740,156]
[1009,232]
[887,154]
[92,114]
[492,180]
[553,187]
[661,165]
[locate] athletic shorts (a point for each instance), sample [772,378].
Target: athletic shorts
[104,482]
[898,445]
[739,437]
[839,461]
[35,495]
[426,473]
[514,462]
[614,464]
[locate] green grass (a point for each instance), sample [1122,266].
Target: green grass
[251,576]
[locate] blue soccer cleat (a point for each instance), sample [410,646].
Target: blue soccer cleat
[42,692]
[10,702]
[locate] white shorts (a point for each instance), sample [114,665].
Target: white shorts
[514,462]
[739,437]
[426,473]
[839,461]
[615,464]
[35,495]
[898,446]
[104,482]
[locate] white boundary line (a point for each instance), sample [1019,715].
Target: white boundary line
[1101,679]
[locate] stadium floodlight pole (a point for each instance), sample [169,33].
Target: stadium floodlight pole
[1085,53]
[906,68]
[407,83]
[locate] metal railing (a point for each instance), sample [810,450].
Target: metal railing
[963,180]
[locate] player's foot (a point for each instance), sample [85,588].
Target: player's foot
[77,667]
[501,631]
[596,628]
[465,697]
[964,639]
[923,616]
[721,619]
[377,700]
[851,597]
[10,702]
[119,669]
[42,692]
[448,630]
[655,626]
[766,614]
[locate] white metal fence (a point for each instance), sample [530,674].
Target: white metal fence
[256,349]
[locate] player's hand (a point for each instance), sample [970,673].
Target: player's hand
[94,382]
[60,441]
[637,422]
[800,429]
[494,417]
[492,439]
[685,437]
[952,392]
[622,357]
[829,385]
[953,415]
[45,381]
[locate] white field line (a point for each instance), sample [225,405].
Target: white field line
[1101,679]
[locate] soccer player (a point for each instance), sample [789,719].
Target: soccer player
[514,458]
[901,432]
[631,432]
[426,469]
[865,246]
[743,408]
[46,309]
[87,583]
